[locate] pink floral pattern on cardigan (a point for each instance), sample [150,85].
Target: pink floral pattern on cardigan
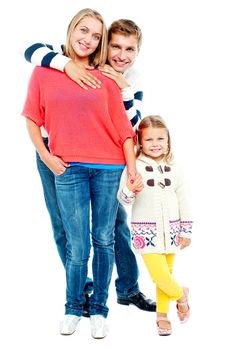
[143,234]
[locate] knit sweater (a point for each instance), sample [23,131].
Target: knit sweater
[47,55]
[83,125]
[161,211]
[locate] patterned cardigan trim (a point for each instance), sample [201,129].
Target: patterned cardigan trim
[144,234]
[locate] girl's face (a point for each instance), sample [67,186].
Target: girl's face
[154,142]
[86,37]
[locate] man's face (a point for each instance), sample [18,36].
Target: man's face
[122,51]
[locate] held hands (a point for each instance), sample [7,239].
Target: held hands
[78,73]
[184,242]
[134,182]
[109,72]
[56,164]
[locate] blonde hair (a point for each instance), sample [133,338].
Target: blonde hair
[99,56]
[154,121]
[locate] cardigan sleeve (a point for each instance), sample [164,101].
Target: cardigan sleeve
[183,197]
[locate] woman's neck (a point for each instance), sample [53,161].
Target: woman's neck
[82,60]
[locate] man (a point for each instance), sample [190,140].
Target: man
[124,40]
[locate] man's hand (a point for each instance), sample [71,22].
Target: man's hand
[79,73]
[108,71]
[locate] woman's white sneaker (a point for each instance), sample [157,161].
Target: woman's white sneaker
[99,328]
[69,324]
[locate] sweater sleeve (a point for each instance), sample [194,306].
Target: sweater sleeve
[183,196]
[117,112]
[33,108]
[132,97]
[45,55]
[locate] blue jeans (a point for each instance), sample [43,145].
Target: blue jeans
[126,264]
[78,188]
[50,196]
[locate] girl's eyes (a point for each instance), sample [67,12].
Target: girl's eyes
[159,139]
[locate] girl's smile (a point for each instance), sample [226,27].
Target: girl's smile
[154,142]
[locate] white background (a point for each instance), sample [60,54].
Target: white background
[186,62]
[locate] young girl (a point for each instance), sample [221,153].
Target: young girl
[161,221]
[90,141]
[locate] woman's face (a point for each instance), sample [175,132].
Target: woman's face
[86,37]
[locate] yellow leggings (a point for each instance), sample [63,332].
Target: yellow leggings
[160,268]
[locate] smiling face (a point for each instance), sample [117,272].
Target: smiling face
[122,51]
[154,142]
[86,37]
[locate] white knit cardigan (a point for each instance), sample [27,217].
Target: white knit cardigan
[160,212]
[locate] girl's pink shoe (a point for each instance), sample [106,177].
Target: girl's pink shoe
[163,326]
[183,315]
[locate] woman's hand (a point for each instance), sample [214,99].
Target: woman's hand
[56,164]
[134,183]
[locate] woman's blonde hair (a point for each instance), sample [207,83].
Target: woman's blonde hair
[99,56]
[154,121]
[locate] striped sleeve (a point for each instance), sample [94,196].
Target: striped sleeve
[132,98]
[46,55]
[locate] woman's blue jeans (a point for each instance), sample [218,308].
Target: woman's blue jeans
[50,196]
[78,189]
[126,263]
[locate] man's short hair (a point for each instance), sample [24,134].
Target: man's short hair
[125,27]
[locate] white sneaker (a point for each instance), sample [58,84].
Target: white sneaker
[69,324]
[99,329]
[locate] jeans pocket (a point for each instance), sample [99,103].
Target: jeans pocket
[64,172]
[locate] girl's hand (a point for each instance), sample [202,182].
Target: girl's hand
[56,164]
[184,242]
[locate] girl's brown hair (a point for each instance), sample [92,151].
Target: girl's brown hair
[154,121]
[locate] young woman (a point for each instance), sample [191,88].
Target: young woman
[90,141]
[124,41]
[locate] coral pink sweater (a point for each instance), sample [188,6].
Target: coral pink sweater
[83,125]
